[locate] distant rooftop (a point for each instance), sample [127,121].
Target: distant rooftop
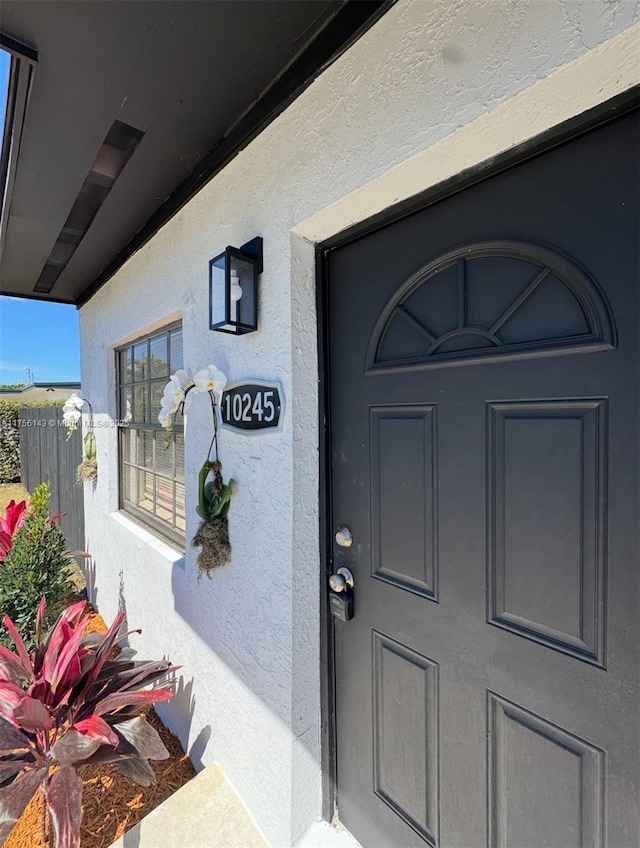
[47,386]
[72,385]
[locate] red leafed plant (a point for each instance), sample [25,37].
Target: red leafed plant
[14,519]
[69,703]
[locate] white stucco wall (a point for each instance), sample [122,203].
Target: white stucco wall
[435,86]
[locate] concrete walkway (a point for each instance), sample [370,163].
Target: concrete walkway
[205,813]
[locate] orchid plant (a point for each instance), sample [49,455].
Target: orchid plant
[70,703]
[72,412]
[176,397]
[71,415]
[214,496]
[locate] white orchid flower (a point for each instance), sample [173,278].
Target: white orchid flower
[164,417]
[173,393]
[71,412]
[183,376]
[179,390]
[210,379]
[170,402]
[73,402]
[72,416]
[176,393]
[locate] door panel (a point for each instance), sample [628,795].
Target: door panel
[405,733]
[483,362]
[404,497]
[546,472]
[567,808]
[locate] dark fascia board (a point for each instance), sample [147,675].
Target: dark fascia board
[17,48]
[23,62]
[353,19]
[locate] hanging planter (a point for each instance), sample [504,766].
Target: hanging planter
[214,496]
[212,535]
[71,415]
[88,468]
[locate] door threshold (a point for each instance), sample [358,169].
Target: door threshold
[328,835]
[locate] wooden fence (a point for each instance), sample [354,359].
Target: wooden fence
[46,454]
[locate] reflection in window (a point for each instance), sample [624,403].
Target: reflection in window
[151,460]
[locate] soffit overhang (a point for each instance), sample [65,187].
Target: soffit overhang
[197,79]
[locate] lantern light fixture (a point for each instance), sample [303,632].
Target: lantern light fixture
[233,288]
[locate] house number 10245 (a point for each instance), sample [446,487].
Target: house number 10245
[254,406]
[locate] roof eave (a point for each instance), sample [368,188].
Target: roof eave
[343,30]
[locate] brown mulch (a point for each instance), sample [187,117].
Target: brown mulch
[112,803]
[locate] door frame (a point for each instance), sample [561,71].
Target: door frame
[569,130]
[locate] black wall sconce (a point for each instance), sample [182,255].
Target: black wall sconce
[233,288]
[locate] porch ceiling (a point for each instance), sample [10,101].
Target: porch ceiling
[197,78]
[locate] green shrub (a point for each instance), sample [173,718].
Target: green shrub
[10,437]
[9,452]
[36,566]
[9,442]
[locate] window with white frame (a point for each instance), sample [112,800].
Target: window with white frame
[151,460]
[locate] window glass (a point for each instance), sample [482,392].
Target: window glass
[140,356]
[175,353]
[159,357]
[151,460]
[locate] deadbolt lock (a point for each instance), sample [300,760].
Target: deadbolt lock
[344,537]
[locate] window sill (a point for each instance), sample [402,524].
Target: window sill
[170,552]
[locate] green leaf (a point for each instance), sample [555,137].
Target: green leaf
[225,494]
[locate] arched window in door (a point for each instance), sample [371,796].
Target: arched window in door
[504,299]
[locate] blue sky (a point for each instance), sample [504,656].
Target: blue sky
[33,334]
[41,336]
[5,61]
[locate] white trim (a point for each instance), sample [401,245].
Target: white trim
[164,323]
[172,555]
[600,74]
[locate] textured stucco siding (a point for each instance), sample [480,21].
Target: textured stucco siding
[248,640]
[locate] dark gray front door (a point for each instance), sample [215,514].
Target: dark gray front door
[484,388]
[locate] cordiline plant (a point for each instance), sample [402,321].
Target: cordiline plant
[13,520]
[37,565]
[70,703]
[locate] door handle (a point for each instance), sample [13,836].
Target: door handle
[341,580]
[341,595]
